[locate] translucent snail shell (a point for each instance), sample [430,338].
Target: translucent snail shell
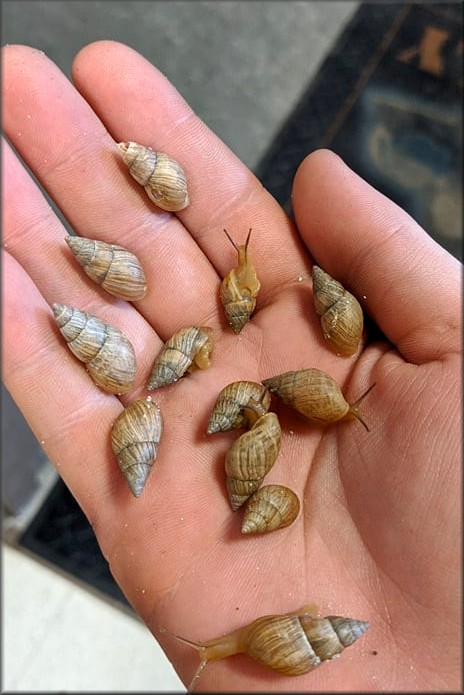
[270,508]
[106,352]
[162,177]
[228,411]
[188,349]
[113,267]
[340,313]
[240,288]
[135,437]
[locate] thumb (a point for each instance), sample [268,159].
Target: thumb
[406,282]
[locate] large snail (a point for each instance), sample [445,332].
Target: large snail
[107,353]
[188,349]
[270,508]
[291,644]
[316,395]
[113,267]
[240,288]
[135,437]
[340,313]
[162,177]
[228,412]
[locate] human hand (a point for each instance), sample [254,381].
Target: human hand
[378,534]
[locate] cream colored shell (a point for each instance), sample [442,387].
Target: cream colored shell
[270,508]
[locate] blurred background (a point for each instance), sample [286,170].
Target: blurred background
[379,83]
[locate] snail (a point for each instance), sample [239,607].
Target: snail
[162,177]
[113,267]
[240,288]
[186,350]
[316,395]
[135,437]
[228,413]
[107,353]
[270,508]
[340,313]
[291,643]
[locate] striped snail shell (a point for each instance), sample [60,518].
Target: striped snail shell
[240,288]
[162,177]
[291,644]
[228,412]
[106,352]
[188,349]
[135,437]
[340,313]
[113,267]
[270,508]
[316,395]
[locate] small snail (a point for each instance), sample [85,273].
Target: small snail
[113,267]
[135,437]
[107,353]
[240,288]
[316,395]
[291,644]
[270,508]
[162,177]
[186,350]
[228,413]
[251,457]
[340,313]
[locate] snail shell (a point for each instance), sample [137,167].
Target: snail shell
[291,644]
[107,353]
[316,395]
[135,437]
[270,508]
[162,177]
[186,350]
[251,457]
[228,412]
[240,288]
[340,313]
[113,267]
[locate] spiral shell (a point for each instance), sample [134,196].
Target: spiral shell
[240,288]
[270,508]
[340,313]
[228,412]
[186,350]
[135,437]
[251,457]
[107,353]
[113,267]
[162,177]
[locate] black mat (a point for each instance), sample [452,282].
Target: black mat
[388,99]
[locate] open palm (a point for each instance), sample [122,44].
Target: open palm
[377,537]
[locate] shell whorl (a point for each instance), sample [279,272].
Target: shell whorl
[186,350]
[228,413]
[270,508]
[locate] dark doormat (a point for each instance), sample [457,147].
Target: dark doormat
[388,100]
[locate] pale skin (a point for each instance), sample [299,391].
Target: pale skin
[378,536]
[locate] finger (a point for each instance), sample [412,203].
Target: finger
[405,281]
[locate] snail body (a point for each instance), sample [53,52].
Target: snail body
[188,349]
[161,176]
[106,352]
[240,288]
[228,412]
[270,508]
[113,267]
[340,313]
[135,437]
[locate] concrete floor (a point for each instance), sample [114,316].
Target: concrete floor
[242,66]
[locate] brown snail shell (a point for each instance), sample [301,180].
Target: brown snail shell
[188,349]
[340,313]
[240,288]
[106,352]
[113,267]
[270,508]
[291,644]
[316,395]
[135,437]
[251,457]
[228,412]
[162,177]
